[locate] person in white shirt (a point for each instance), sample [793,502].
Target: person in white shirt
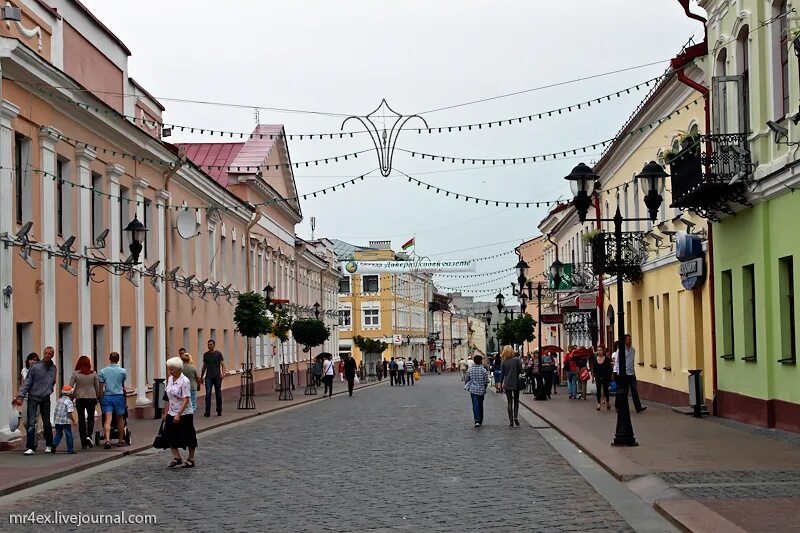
[328,372]
[401,371]
[463,366]
[630,372]
[178,419]
[410,372]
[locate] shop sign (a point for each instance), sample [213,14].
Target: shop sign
[397,339]
[553,318]
[692,273]
[586,301]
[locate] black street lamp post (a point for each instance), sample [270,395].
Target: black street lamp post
[582,182]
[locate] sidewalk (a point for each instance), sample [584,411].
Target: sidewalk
[706,475]
[18,472]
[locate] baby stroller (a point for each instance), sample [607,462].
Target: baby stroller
[114,431]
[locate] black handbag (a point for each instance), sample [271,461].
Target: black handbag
[158,442]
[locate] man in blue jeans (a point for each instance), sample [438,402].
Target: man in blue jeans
[212,374]
[112,403]
[38,386]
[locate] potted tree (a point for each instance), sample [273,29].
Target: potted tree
[370,347]
[280,326]
[251,321]
[310,332]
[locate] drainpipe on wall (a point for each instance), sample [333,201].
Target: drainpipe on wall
[168,238]
[679,63]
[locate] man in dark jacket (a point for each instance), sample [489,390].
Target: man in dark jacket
[350,372]
[38,386]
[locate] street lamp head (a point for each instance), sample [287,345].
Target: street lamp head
[500,301]
[581,182]
[523,301]
[268,290]
[654,177]
[136,230]
[557,272]
[522,272]
[488,316]
[316,309]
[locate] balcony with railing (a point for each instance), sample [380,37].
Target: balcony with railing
[710,174]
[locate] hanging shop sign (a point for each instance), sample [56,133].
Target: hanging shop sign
[689,251]
[397,339]
[553,318]
[587,301]
[424,266]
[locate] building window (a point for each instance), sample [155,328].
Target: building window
[371,317]
[234,267]
[149,353]
[639,331]
[743,55]
[667,321]
[124,217]
[223,259]
[60,197]
[344,318]
[788,316]
[344,285]
[22,166]
[63,351]
[24,344]
[185,340]
[728,335]
[749,286]
[147,214]
[98,344]
[97,205]
[212,254]
[369,284]
[127,345]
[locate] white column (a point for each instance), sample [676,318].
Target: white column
[8,112]
[83,157]
[162,222]
[115,322]
[139,186]
[47,142]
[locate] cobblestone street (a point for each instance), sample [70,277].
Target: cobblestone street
[389,458]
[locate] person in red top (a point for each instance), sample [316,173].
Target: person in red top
[439,364]
[341,370]
[571,369]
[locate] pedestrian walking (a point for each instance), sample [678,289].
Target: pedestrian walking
[37,387]
[212,374]
[393,372]
[112,400]
[350,372]
[580,358]
[32,359]
[341,370]
[439,365]
[497,373]
[178,419]
[86,393]
[548,371]
[571,370]
[630,372]
[511,369]
[328,371]
[401,371]
[476,385]
[463,367]
[379,370]
[64,417]
[318,370]
[601,376]
[410,372]
[385,366]
[190,371]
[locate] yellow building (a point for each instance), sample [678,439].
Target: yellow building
[670,323]
[383,306]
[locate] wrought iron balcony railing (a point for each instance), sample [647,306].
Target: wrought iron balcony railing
[634,254]
[711,173]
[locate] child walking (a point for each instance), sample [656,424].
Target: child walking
[64,417]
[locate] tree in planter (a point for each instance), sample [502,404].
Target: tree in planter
[370,346]
[310,332]
[517,331]
[251,321]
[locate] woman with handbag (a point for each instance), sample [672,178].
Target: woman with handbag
[86,387]
[583,374]
[178,420]
[601,375]
[512,380]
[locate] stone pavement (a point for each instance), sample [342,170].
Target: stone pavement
[390,458]
[704,474]
[18,471]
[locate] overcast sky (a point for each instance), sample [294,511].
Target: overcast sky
[343,57]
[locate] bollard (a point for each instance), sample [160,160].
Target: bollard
[696,396]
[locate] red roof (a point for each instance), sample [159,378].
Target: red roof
[214,154]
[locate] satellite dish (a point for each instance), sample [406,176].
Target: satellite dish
[187,225]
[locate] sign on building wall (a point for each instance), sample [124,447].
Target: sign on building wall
[689,251]
[424,266]
[586,301]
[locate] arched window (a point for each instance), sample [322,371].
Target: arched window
[780,60]
[743,70]
[721,109]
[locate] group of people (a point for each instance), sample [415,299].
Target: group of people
[324,369]
[88,387]
[510,373]
[401,371]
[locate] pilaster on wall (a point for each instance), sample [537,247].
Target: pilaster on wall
[114,172]
[140,185]
[47,143]
[162,219]
[84,157]
[8,112]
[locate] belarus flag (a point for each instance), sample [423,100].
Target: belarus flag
[408,244]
